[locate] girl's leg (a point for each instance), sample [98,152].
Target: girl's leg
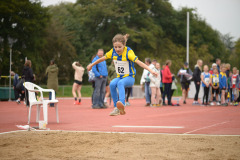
[121,84]
[223,96]
[74,90]
[158,94]
[207,93]
[79,92]
[204,94]
[153,89]
[113,89]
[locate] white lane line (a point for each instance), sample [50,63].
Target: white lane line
[13,131]
[165,127]
[206,127]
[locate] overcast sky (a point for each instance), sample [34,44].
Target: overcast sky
[222,15]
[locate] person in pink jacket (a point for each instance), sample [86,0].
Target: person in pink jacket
[167,81]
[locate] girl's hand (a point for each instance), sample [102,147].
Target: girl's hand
[89,67]
[154,74]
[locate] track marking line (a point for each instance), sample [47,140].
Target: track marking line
[164,127]
[206,127]
[13,131]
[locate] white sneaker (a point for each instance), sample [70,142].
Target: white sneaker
[212,104]
[127,104]
[115,112]
[218,104]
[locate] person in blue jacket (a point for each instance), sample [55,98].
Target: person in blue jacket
[100,71]
[223,84]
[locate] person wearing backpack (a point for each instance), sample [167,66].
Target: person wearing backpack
[146,81]
[185,75]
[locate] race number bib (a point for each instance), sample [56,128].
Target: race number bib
[121,67]
[207,80]
[215,80]
[234,80]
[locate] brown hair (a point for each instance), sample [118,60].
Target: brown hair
[227,65]
[120,38]
[28,63]
[168,62]
[78,64]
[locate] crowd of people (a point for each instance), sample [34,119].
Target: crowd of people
[220,84]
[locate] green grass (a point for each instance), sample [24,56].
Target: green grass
[86,91]
[66,91]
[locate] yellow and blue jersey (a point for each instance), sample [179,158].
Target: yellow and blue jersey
[215,79]
[128,58]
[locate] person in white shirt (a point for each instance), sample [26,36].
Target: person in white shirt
[155,87]
[145,81]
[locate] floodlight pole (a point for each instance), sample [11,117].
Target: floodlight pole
[10,74]
[187,58]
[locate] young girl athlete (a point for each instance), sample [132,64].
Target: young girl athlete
[123,58]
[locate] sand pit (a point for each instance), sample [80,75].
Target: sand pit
[78,145]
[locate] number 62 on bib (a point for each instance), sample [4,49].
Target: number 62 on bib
[121,67]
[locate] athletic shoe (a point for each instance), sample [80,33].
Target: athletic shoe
[148,104]
[184,102]
[203,104]
[236,103]
[218,104]
[195,103]
[120,107]
[127,104]
[224,104]
[158,105]
[76,103]
[212,104]
[153,105]
[18,102]
[115,112]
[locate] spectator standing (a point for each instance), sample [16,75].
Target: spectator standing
[218,62]
[197,79]
[205,77]
[146,81]
[101,73]
[174,86]
[223,84]
[215,86]
[17,90]
[77,84]
[162,84]
[154,84]
[234,83]
[167,80]
[52,78]
[28,76]
[185,75]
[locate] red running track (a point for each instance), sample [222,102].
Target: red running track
[188,119]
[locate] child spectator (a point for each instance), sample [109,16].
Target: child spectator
[228,74]
[234,83]
[205,77]
[215,86]
[154,84]
[223,84]
[174,86]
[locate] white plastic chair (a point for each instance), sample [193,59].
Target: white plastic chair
[32,88]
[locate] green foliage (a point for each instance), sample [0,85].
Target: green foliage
[69,32]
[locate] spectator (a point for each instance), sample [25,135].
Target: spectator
[205,77]
[18,90]
[223,84]
[214,65]
[52,79]
[28,76]
[101,73]
[128,91]
[185,75]
[161,84]
[146,80]
[234,83]
[215,86]
[77,85]
[218,62]
[154,84]
[167,80]
[174,86]
[197,79]
[228,74]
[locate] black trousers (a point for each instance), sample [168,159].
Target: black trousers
[128,92]
[197,91]
[167,92]
[206,93]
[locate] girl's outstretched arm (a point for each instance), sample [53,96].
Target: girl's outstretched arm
[143,65]
[89,67]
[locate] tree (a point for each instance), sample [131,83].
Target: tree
[25,21]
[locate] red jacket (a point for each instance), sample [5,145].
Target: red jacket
[167,75]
